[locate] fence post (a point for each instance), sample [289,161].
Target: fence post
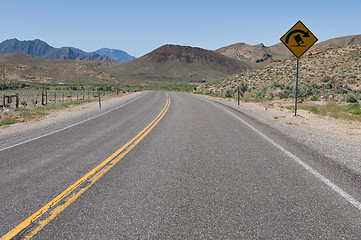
[100,105]
[17,100]
[36,99]
[42,97]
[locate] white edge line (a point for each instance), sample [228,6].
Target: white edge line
[318,175]
[70,126]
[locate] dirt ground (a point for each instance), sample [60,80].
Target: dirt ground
[276,111]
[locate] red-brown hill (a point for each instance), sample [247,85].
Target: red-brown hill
[178,63]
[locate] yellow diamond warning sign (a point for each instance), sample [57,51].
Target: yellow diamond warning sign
[298,39]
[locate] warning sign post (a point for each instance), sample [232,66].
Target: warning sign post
[298,40]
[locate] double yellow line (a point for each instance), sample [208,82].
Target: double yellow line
[43,216]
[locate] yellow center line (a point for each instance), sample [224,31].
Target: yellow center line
[29,227]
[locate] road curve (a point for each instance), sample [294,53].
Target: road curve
[203,171]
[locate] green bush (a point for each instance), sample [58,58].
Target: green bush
[261,93]
[355,108]
[315,110]
[307,90]
[329,85]
[243,87]
[314,98]
[350,98]
[228,94]
[327,79]
[287,92]
[7,121]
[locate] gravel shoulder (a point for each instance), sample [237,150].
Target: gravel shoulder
[337,140]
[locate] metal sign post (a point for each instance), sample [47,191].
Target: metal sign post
[296,91]
[298,40]
[100,104]
[238,96]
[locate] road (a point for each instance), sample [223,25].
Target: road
[170,165]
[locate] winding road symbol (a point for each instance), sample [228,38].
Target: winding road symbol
[298,39]
[298,36]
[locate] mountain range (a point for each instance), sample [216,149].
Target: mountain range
[178,63]
[42,49]
[170,63]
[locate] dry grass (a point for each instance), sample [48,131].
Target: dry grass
[331,72]
[338,111]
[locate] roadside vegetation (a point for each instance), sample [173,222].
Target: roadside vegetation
[65,96]
[328,74]
[341,102]
[351,111]
[26,114]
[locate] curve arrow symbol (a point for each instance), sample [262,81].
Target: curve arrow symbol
[305,34]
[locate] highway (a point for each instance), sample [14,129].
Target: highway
[171,165]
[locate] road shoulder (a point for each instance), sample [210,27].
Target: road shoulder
[337,140]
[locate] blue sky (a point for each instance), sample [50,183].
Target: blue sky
[140,26]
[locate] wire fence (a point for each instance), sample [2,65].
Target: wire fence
[30,98]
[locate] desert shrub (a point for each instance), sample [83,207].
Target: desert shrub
[314,109]
[261,93]
[326,79]
[7,121]
[350,98]
[228,93]
[287,92]
[243,87]
[346,89]
[354,108]
[314,98]
[329,85]
[307,90]
[276,85]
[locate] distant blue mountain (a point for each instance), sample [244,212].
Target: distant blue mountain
[115,54]
[42,49]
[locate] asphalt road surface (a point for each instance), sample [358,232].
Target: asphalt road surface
[172,166]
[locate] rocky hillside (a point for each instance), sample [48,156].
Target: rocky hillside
[258,56]
[341,41]
[179,63]
[16,67]
[325,71]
